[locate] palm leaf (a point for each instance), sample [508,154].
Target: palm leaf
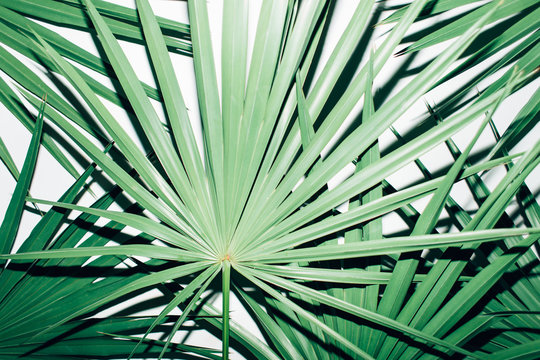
[237,177]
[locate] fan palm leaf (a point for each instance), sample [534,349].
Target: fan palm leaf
[240,199]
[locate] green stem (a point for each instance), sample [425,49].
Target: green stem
[226,294]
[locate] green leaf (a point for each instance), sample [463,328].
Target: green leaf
[388,246]
[461,25]
[13,104]
[405,268]
[233,84]
[12,219]
[116,292]
[6,158]
[188,309]
[123,179]
[142,164]
[519,126]
[471,293]
[129,15]
[352,309]
[138,222]
[42,233]
[344,276]
[362,213]
[371,175]
[523,351]
[362,136]
[173,100]
[433,7]
[179,298]
[16,70]
[151,251]
[301,312]
[58,13]
[148,119]
[261,72]
[19,32]
[304,119]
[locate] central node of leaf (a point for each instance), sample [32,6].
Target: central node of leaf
[227,257]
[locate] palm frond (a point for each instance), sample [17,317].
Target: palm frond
[227,213]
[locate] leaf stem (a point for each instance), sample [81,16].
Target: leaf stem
[226,286]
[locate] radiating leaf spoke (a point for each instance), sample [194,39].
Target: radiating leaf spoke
[10,223]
